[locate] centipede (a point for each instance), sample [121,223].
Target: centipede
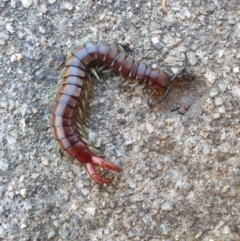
[69,100]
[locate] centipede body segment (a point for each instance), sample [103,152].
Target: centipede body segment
[70,99]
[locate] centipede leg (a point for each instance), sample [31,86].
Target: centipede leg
[93,173]
[101,162]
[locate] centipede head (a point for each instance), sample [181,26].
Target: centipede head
[163,82]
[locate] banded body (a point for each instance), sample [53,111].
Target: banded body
[74,84]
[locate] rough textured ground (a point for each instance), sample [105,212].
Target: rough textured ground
[181,178]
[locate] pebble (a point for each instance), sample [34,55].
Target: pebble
[167,206]
[26,3]
[102,16]
[52,1]
[51,234]
[225,189]
[43,8]
[10,28]
[192,58]
[222,110]
[2,189]
[2,42]
[2,233]
[84,191]
[126,224]
[218,101]
[155,40]
[222,87]
[236,92]
[20,35]
[45,161]
[214,92]
[236,70]
[13,4]
[16,57]
[23,225]
[226,230]
[210,77]
[68,6]
[170,122]
[220,53]
[91,210]
[149,128]
[164,229]
[23,192]
[75,206]
[3,166]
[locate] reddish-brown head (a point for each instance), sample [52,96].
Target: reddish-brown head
[162,81]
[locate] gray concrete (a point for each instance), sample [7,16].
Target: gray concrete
[181,172]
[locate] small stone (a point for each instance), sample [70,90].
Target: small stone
[150,128]
[159,168]
[154,66]
[102,16]
[236,70]
[220,53]
[218,101]
[44,161]
[198,235]
[214,92]
[23,226]
[155,40]
[192,58]
[210,77]
[222,87]
[167,206]
[226,230]
[2,42]
[91,210]
[27,206]
[20,35]
[2,189]
[225,189]
[51,234]
[206,150]
[84,191]
[43,8]
[170,122]
[75,206]
[34,110]
[154,212]
[2,233]
[52,1]
[126,224]
[23,192]
[13,4]
[227,69]
[236,92]
[164,229]
[222,110]
[98,143]
[16,57]
[26,3]
[68,6]
[10,28]
[182,110]
[3,166]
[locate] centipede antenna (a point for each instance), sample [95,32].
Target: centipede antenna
[174,77]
